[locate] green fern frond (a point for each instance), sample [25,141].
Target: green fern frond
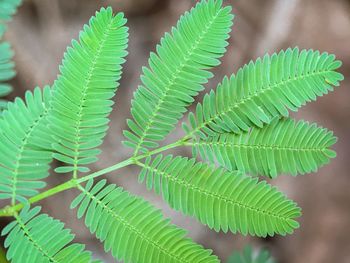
[220,199]
[81,104]
[25,146]
[263,90]
[248,256]
[176,73]
[39,238]
[133,229]
[283,146]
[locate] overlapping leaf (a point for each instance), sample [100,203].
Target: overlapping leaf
[133,229]
[264,90]
[39,238]
[176,73]
[25,146]
[220,199]
[283,146]
[89,77]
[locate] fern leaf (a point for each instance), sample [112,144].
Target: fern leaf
[39,238]
[25,146]
[264,90]
[81,104]
[177,73]
[133,229]
[283,146]
[220,199]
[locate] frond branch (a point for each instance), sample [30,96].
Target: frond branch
[283,146]
[120,212]
[230,197]
[264,90]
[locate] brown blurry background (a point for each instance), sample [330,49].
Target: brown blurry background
[42,29]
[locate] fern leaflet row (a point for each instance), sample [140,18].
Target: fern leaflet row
[176,73]
[220,199]
[25,146]
[264,90]
[39,238]
[82,93]
[133,229]
[283,146]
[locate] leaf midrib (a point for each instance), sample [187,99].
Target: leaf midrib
[30,238]
[19,154]
[84,93]
[203,191]
[256,146]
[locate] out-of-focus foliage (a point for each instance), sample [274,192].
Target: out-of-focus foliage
[249,255]
[7,10]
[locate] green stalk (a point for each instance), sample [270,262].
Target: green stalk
[73,183]
[130,161]
[10,210]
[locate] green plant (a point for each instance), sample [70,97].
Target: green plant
[7,10]
[248,255]
[243,126]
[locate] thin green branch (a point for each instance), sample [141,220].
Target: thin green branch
[73,183]
[10,210]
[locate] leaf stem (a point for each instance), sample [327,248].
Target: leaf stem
[130,161]
[10,210]
[73,183]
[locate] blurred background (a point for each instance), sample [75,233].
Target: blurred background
[42,29]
